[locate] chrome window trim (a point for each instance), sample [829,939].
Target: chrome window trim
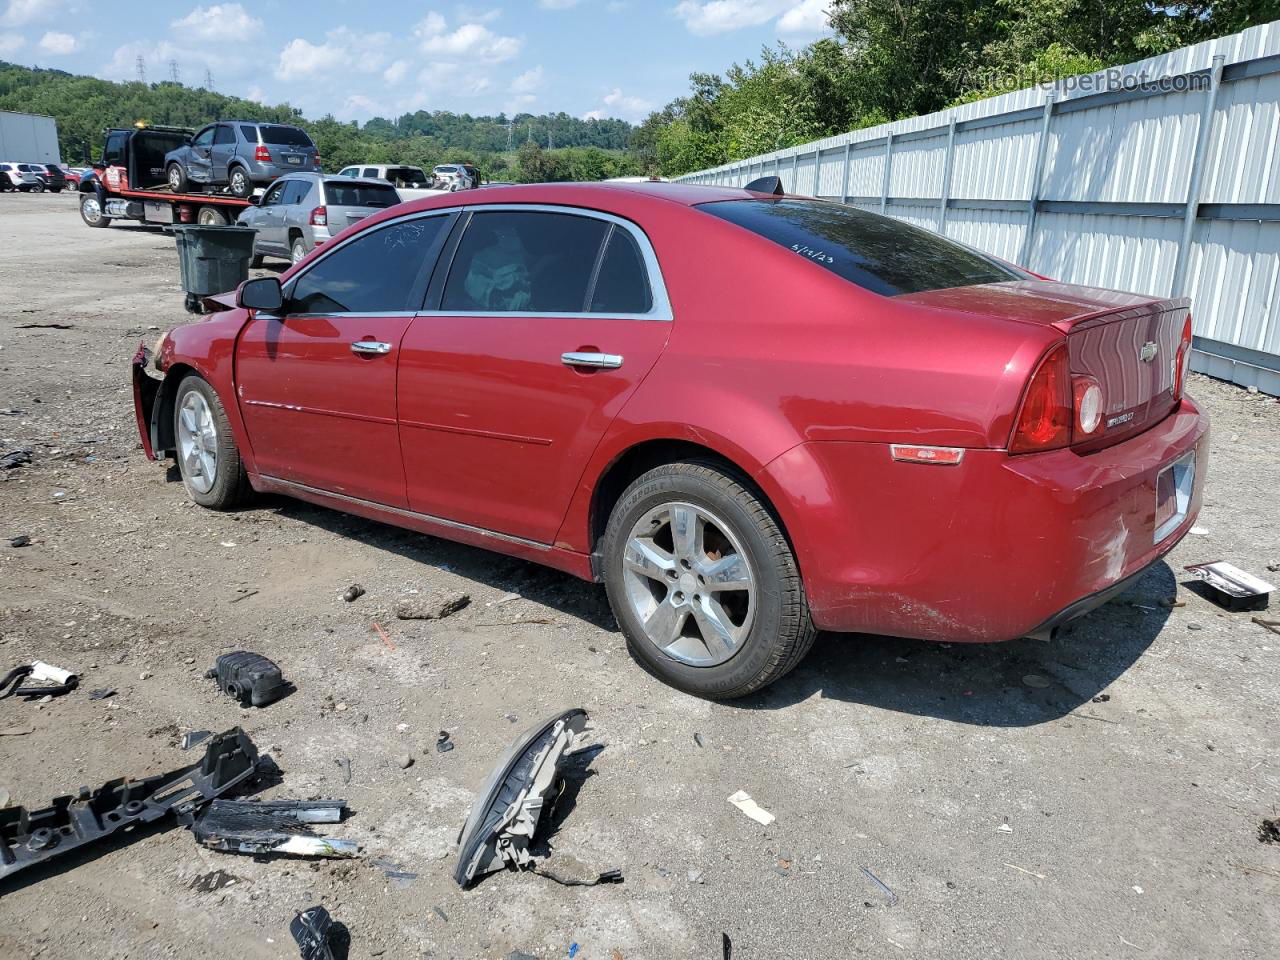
[661,310]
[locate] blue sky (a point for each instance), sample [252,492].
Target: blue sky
[356,59]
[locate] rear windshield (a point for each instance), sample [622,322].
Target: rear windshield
[884,255]
[281,136]
[405,176]
[339,194]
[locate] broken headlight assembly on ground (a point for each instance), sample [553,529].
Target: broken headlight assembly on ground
[261,828]
[28,837]
[517,799]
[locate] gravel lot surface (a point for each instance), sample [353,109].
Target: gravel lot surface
[1096,796]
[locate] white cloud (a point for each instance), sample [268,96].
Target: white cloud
[57,44]
[10,43]
[222,21]
[808,16]
[471,41]
[18,13]
[366,52]
[464,82]
[557,4]
[706,17]
[618,104]
[396,73]
[528,81]
[593,115]
[301,58]
[256,94]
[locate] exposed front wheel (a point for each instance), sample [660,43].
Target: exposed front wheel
[240,184]
[177,178]
[91,211]
[206,449]
[704,583]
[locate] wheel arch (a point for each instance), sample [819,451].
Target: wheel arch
[643,456]
[162,438]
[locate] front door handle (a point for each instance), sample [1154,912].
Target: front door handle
[604,361]
[370,347]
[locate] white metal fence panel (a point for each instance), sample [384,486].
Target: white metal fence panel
[1161,177]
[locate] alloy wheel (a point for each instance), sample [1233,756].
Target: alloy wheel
[689,583]
[198,442]
[175,179]
[238,182]
[91,209]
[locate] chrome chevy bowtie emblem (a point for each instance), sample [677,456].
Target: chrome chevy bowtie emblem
[1148,351]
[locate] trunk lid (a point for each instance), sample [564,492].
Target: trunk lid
[1125,341]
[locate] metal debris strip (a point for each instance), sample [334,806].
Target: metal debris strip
[893,897]
[279,827]
[28,837]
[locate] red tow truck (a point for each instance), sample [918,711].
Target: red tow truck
[129,183]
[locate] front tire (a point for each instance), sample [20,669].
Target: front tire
[239,183]
[703,582]
[177,178]
[91,211]
[206,450]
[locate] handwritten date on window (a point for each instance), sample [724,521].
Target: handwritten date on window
[821,256]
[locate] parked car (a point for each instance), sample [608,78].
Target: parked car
[456,176]
[240,156]
[304,210]
[751,416]
[55,181]
[13,176]
[412,183]
[37,176]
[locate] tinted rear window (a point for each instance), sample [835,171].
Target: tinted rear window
[339,194]
[883,255]
[281,136]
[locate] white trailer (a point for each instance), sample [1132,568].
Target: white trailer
[28,138]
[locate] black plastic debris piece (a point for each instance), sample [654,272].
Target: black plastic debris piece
[101,693]
[37,679]
[21,540]
[726,946]
[440,913]
[1230,587]
[353,593]
[515,798]
[14,458]
[248,677]
[443,743]
[213,881]
[28,837]
[1269,831]
[277,827]
[697,738]
[319,936]
[1101,698]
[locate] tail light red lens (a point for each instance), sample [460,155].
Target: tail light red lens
[1182,360]
[261,154]
[1044,419]
[319,217]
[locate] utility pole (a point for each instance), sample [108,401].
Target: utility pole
[174,76]
[208,79]
[511,129]
[550,143]
[140,66]
[529,128]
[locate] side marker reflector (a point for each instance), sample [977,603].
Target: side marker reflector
[940,456]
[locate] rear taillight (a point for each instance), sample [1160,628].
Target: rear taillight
[1044,419]
[1182,360]
[261,154]
[319,217]
[1089,405]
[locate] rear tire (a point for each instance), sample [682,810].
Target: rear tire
[37,188]
[239,183]
[177,178]
[297,250]
[747,622]
[211,217]
[206,450]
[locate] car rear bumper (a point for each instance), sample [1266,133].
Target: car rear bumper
[995,548]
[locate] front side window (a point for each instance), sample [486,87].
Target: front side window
[350,172]
[272,196]
[204,138]
[883,255]
[113,152]
[224,135]
[295,191]
[516,261]
[374,273]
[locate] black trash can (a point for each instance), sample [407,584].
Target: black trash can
[213,259]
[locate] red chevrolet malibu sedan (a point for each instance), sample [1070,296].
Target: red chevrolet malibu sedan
[750,416]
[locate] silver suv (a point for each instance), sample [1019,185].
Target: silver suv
[19,176]
[302,211]
[240,156]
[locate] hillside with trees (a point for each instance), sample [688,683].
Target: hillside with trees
[890,59]
[523,147]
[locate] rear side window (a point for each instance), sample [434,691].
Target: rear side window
[250,133]
[622,283]
[883,255]
[281,136]
[375,273]
[513,261]
[371,172]
[360,194]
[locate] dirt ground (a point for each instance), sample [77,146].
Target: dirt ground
[1096,796]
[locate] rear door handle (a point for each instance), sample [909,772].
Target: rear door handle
[370,346]
[604,361]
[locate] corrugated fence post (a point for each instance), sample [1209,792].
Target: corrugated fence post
[1203,132]
[844,177]
[795,164]
[888,168]
[1042,150]
[946,177]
